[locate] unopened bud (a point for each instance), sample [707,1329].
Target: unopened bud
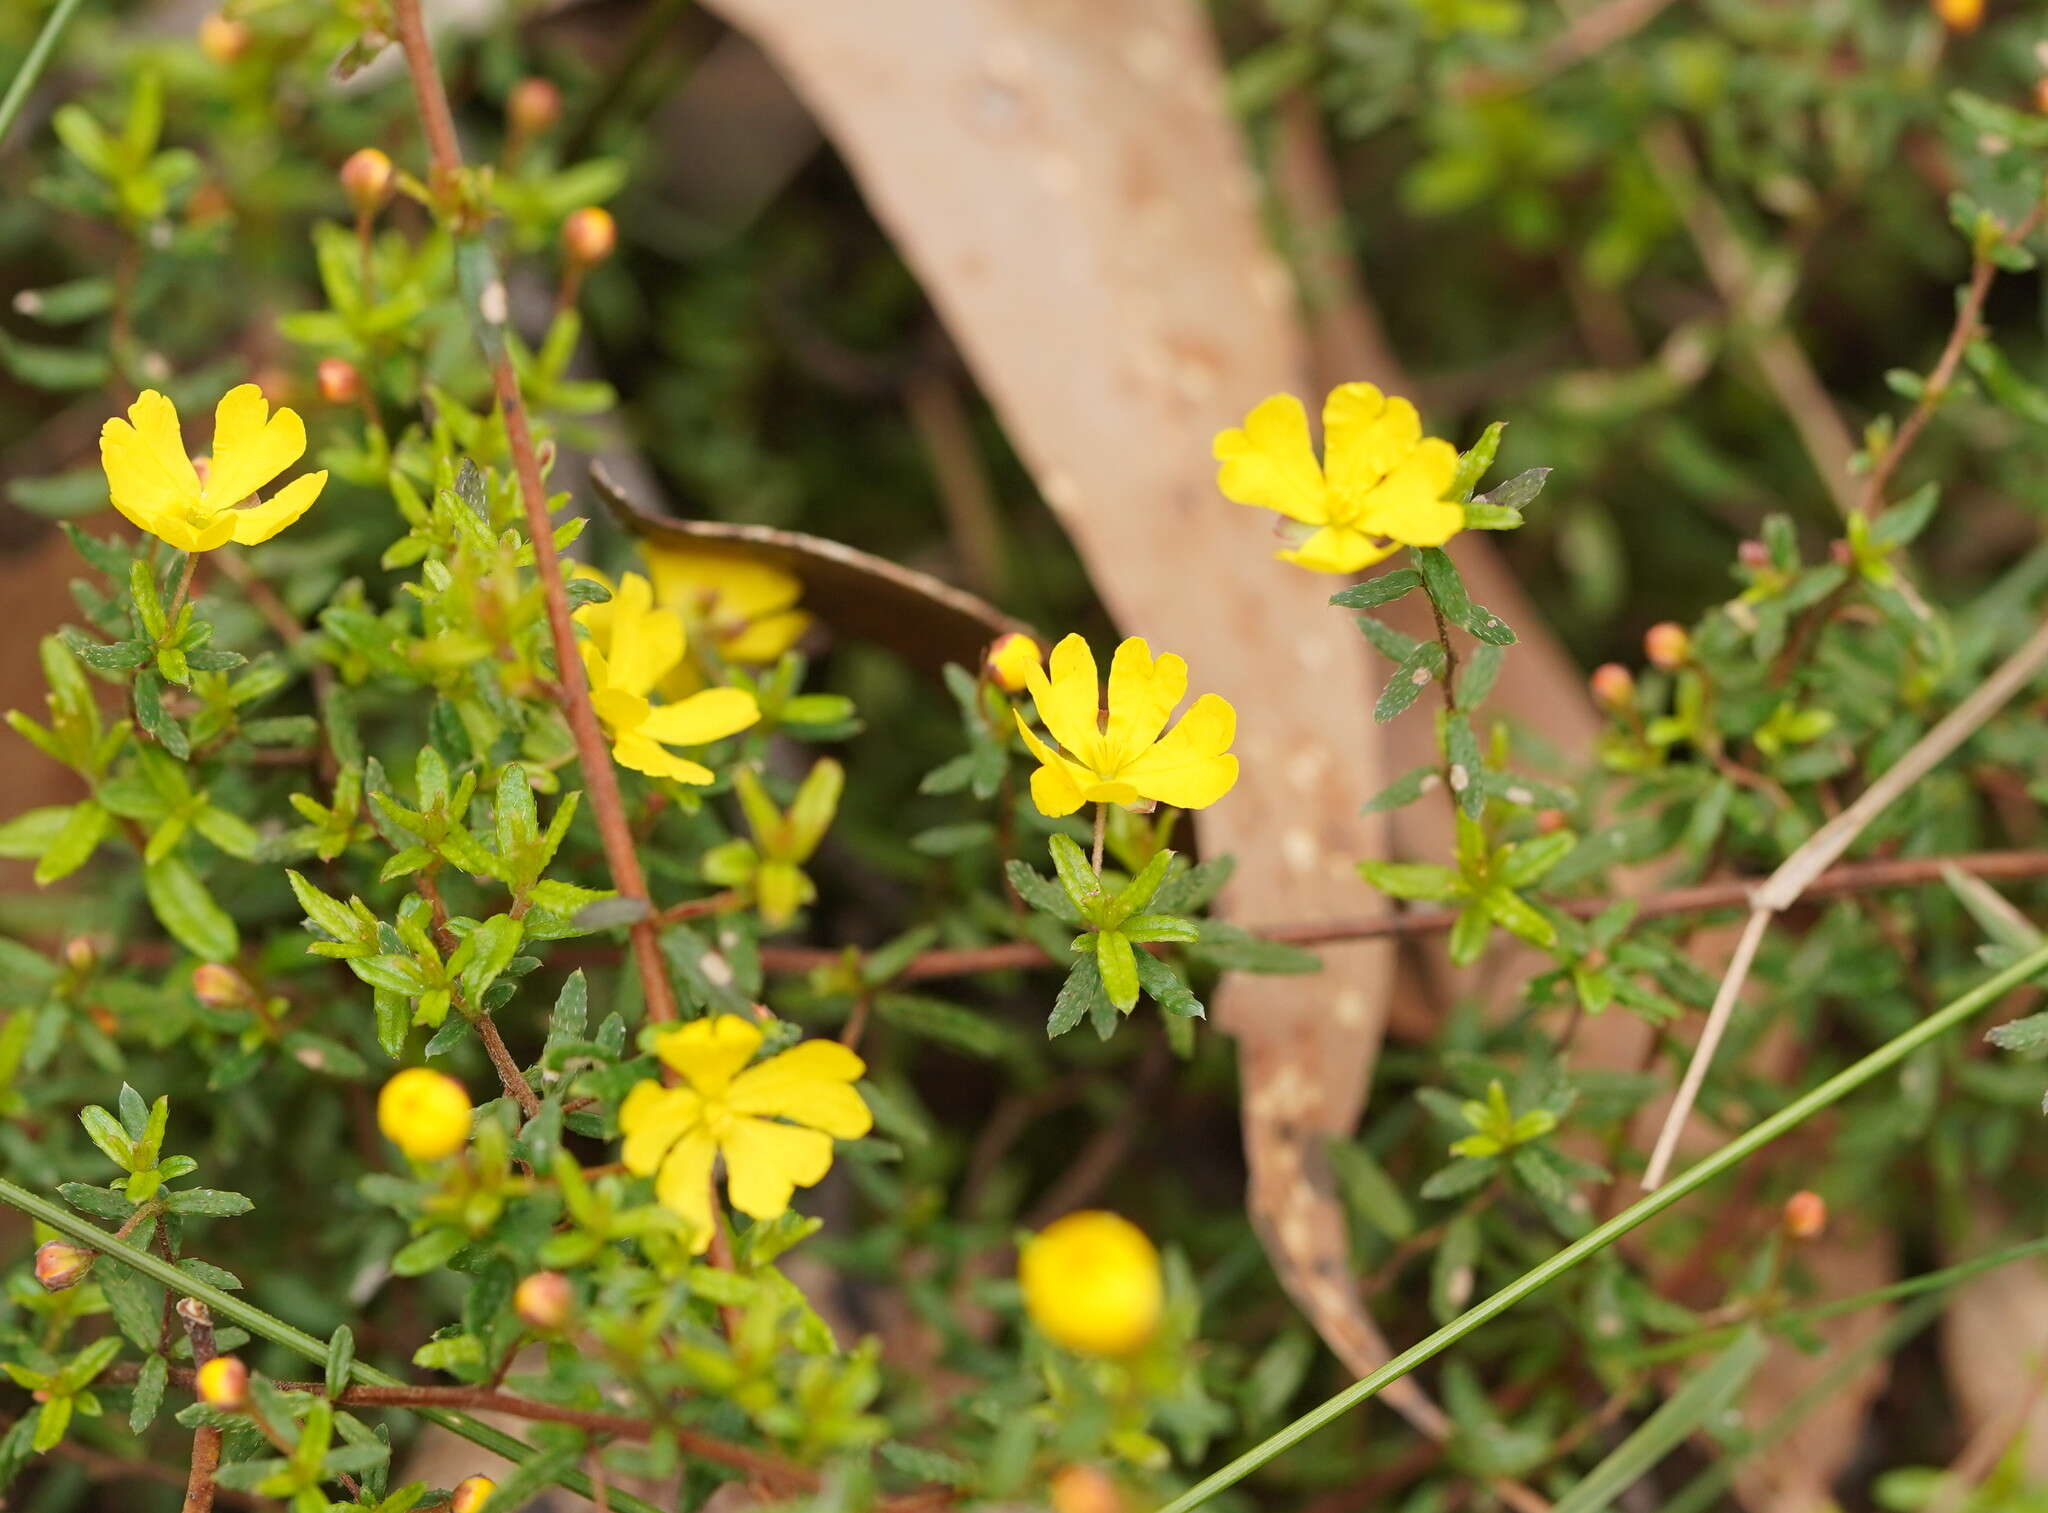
[79,954]
[1754,555]
[60,1264]
[221,39]
[544,1300]
[219,987]
[366,178]
[1010,660]
[340,383]
[533,106]
[1550,821]
[471,1493]
[223,1383]
[1667,645]
[1083,1489]
[589,236]
[1960,15]
[1841,553]
[2041,95]
[1806,1215]
[1614,686]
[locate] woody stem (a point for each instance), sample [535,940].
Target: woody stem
[1101,830]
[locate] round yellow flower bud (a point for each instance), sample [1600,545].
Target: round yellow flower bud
[1011,658]
[223,40]
[366,178]
[589,236]
[1092,1283]
[1806,1215]
[424,1113]
[217,986]
[223,1383]
[1960,15]
[471,1494]
[80,955]
[544,1300]
[533,106]
[60,1264]
[1614,686]
[1667,645]
[1083,1489]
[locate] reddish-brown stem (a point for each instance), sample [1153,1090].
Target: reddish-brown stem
[515,1083]
[600,779]
[199,1486]
[697,908]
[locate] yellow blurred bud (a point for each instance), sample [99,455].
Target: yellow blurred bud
[544,1300]
[221,39]
[471,1494]
[223,1383]
[589,236]
[340,383]
[1614,686]
[1960,15]
[1806,1215]
[1083,1489]
[1010,658]
[424,1113]
[219,987]
[533,106]
[1092,1283]
[366,178]
[1667,645]
[60,1264]
[79,954]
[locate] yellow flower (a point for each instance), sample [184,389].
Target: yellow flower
[745,607]
[1092,1283]
[471,1493]
[154,484]
[632,647]
[1381,485]
[1960,15]
[673,1134]
[424,1113]
[1010,660]
[1123,758]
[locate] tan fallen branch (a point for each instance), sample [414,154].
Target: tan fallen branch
[1785,886]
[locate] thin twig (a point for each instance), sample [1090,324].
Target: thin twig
[199,1486]
[1799,871]
[599,776]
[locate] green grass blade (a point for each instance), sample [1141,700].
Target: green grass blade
[39,55]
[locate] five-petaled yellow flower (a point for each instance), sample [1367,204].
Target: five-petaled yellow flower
[1380,487]
[1121,757]
[774,1123]
[154,483]
[743,608]
[631,648]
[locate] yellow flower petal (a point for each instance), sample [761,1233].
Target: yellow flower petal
[764,639]
[702,718]
[766,1162]
[1068,696]
[684,1186]
[644,642]
[1338,549]
[254,526]
[1365,437]
[148,473]
[716,586]
[250,446]
[637,753]
[811,1083]
[653,1118]
[179,531]
[1270,464]
[709,1051]
[1054,788]
[1409,506]
[1142,694]
[1191,767]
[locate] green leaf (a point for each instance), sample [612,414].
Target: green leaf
[1139,890]
[430,1251]
[207,1200]
[155,720]
[185,909]
[1374,592]
[1041,893]
[1167,988]
[1404,790]
[1415,880]
[57,369]
[149,1393]
[1473,464]
[1517,915]
[341,1360]
[33,831]
[1469,935]
[105,1131]
[1699,1401]
[1371,1192]
[1529,861]
[1076,874]
[1417,671]
[1119,968]
[1465,764]
[84,828]
[1081,996]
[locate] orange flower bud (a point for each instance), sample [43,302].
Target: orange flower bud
[1754,555]
[2041,95]
[219,987]
[79,954]
[589,236]
[1549,821]
[1614,687]
[1667,645]
[223,1383]
[1010,658]
[366,178]
[544,1300]
[1806,1215]
[221,39]
[533,106]
[1960,15]
[340,383]
[60,1264]
[471,1494]
[1083,1489]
